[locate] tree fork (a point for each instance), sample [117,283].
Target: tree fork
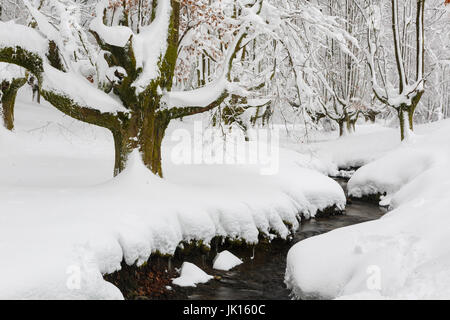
[143,132]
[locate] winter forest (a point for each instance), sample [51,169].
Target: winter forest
[224,149]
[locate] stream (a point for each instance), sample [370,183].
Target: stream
[262,277]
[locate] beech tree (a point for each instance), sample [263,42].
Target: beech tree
[133,73]
[343,74]
[407,41]
[295,85]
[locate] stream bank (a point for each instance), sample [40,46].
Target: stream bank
[261,276]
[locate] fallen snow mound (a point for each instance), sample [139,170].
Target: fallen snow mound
[190,275]
[403,255]
[225,261]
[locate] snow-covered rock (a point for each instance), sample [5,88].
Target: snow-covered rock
[190,275]
[225,260]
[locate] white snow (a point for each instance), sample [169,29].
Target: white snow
[369,142]
[12,35]
[393,171]
[403,255]
[190,275]
[114,35]
[44,26]
[8,72]
[198,97]
[225,260]
[63,215]
[71,85]
[150,45]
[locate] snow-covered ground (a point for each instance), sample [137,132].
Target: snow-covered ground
[405,254]
[64,221]
[368,143]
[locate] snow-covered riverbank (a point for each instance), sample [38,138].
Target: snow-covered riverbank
[65,221]
[405,254]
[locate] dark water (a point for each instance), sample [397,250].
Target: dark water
[261,276]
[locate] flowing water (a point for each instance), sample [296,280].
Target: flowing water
[261,276]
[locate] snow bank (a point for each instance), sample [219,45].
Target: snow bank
[64,220]
[190,275]
[368,143]
[329,153]
[403,255]
[225,260]
[391,172]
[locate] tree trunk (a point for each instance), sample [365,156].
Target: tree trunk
[341,127]
[8,112]
[350,125]
[144,132]
[353,124]
[411,118]
[8,100]
[401,119]
[412,109]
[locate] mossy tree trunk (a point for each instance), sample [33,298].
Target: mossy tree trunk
[8,99]
[412,108]
[145,133]
[401,119]
[341,124]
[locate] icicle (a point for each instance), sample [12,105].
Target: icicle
[169,264]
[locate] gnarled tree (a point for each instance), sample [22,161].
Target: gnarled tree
[12,78]
[134,73]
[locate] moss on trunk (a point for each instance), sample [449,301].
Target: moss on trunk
[401,119]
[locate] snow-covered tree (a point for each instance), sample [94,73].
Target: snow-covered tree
[295,69]
[407,50]
[137,49]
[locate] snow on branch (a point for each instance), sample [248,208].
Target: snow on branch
[151,44]
[148,46]
[79,90]
[207,95]
[25,47]
[16,35]
[117,36]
